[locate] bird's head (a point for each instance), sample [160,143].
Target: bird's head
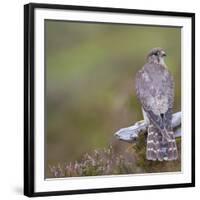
[156,55]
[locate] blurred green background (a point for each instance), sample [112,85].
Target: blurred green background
[90,91]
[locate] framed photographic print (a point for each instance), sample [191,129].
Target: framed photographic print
[108,99]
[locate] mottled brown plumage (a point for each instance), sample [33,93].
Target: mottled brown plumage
[155,90]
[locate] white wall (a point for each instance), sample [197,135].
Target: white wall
[11,100]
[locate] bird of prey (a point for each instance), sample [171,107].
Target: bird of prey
[155,91]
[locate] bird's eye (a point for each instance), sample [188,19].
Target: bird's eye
[156,53]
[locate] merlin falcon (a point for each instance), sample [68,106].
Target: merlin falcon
[155,91]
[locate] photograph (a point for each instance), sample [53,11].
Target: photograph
[108,99]
[101,77]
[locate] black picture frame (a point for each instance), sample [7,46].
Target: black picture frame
[29,96]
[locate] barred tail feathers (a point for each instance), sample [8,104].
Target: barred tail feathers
[159,147]
[172,151]
[153,151]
